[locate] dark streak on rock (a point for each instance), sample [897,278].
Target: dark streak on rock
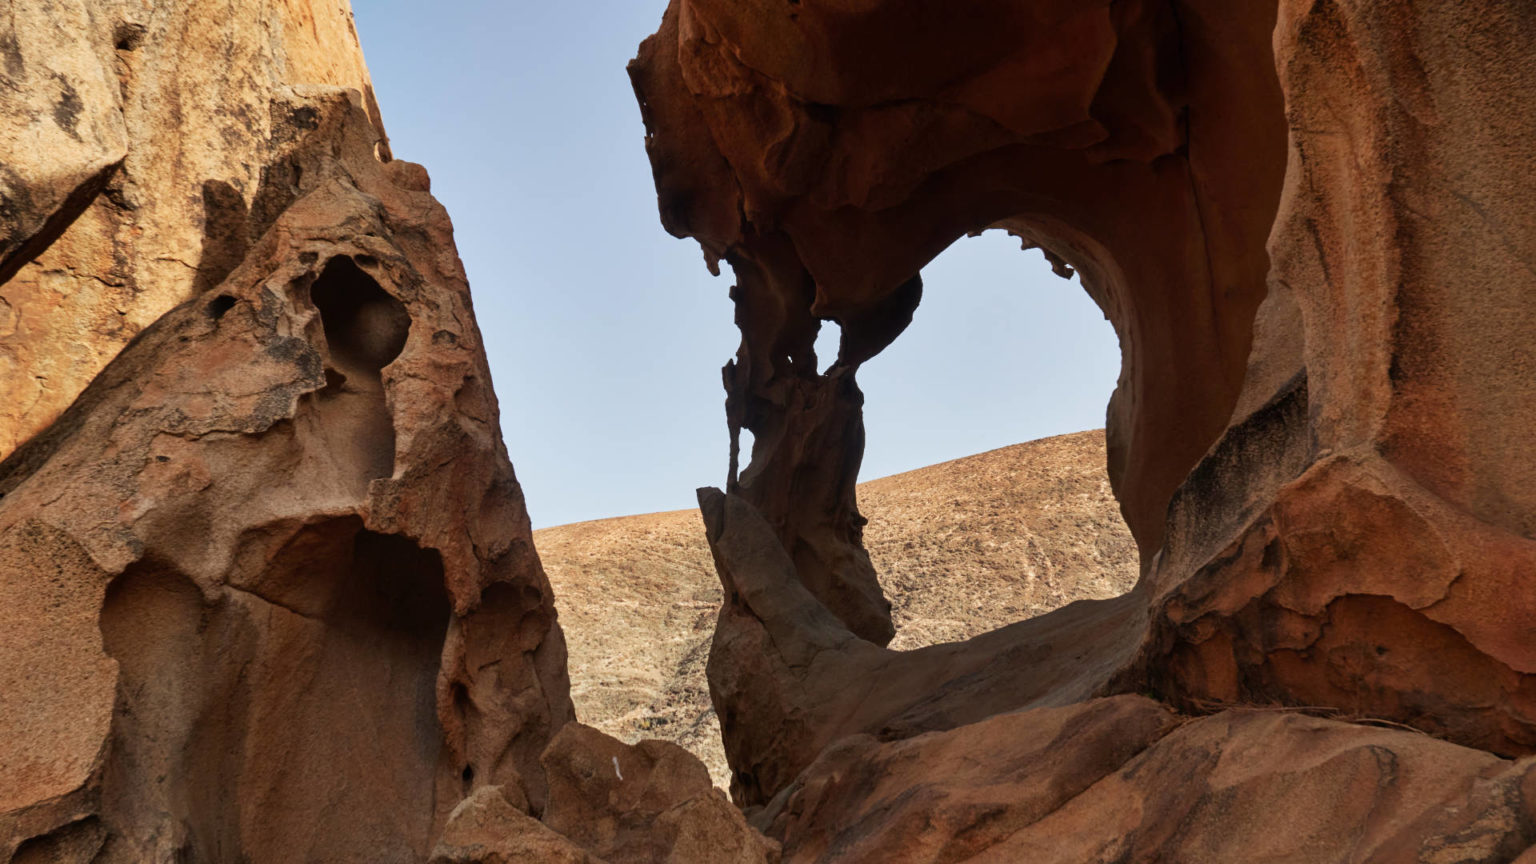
[66,112]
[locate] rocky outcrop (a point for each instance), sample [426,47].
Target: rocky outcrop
[609,803]
[961,548]
[784,143]
[268,588]
[1309,223]
[787,143]
[1361,538]
[1121,779]
[139,163]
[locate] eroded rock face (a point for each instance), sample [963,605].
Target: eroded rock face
[1323,294]
[139,163]
[609,803]
[1361,539]
[782,140]
[1121,779]
[961,548]
[786,142]
[268,586]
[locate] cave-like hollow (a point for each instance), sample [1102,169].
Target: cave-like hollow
[341,611]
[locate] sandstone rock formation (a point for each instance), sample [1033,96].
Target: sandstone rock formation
[1310,224]
[267,586]
[961,548]
[139,162]
[1122,779]
[609,803]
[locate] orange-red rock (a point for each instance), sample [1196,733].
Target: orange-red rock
[1325,461]
[1123,780]
[139,162]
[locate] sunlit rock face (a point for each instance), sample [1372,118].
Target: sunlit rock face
[267,587]
[1311,226]
[139,162]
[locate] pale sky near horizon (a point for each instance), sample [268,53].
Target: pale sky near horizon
[606,335]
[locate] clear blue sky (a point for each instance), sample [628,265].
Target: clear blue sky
[606,335]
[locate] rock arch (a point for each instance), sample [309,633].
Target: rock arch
[1277,422]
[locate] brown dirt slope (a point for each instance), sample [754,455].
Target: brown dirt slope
[961,547]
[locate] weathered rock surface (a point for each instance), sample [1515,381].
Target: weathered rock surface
[1363,538]
[1311,225]
[609,803]
[651,801]
[486,828]
[961,548]
[1122,779]
[139,162]
[268,588]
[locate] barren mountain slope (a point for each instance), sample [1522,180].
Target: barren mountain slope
[961,547]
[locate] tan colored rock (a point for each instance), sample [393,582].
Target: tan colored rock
[967,546]
[646,802]
[962,548]
[140,161]
[638,600]
[1123,780]
[488,829]
[788,678]
[268,588]
[1323,292]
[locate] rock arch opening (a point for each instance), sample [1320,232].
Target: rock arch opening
[984,475]
[1153,164]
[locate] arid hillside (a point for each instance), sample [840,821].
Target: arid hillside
[961,548]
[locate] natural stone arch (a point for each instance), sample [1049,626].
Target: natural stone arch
[1122,161]
[1278,428]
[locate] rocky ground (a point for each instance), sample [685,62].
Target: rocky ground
[962,547]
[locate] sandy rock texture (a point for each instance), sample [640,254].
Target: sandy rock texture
[1122,779]
[967,546]
[962,548]
[1311,226]
[267,587]
[139,162]
[609,803]
[1362,537]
